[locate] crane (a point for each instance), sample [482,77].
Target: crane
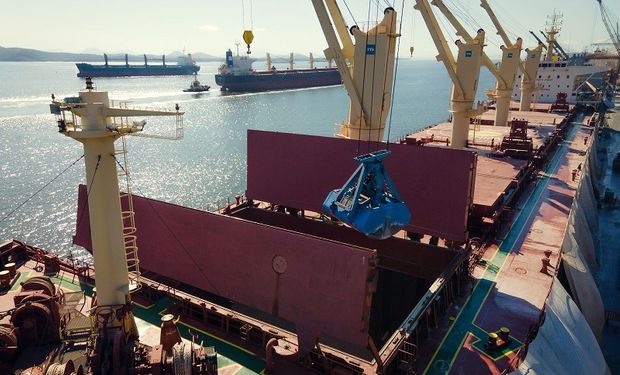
[464,72]
[529,67]
[614,35]
[538,40]
[504,75]
[93,120]
[556,47]
[375,51]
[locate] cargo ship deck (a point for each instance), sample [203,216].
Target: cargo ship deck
[78,292]
[459,291]
[514,272]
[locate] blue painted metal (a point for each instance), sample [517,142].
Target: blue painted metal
[368,201]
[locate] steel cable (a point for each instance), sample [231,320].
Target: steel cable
[41,189]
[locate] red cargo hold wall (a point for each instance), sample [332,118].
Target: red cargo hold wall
[299,170]
[323,290]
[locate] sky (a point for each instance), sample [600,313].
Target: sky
[279,26]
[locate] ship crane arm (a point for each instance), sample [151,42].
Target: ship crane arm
[540,42]
[334,51]
[500,30]
[556,47]
[131,112]
[464,71]
[460,31]
[365,61]
[341,29]
[613,34]
[445,55]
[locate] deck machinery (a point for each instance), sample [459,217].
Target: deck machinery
[104,338]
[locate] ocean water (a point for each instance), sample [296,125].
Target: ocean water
[208,165]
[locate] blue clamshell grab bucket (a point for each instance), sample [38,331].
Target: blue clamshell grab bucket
[368,201]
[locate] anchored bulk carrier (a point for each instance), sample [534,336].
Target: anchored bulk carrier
[491,274]
[184,66]
[237,75]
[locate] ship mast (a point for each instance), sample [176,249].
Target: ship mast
[464,72]
[554,25]
[91,120]
[366,68]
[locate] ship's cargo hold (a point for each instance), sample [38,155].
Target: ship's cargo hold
[241,260]
[369,201]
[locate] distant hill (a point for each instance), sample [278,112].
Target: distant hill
[27,54]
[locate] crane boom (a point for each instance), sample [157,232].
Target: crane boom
[613,34]
[500,30]
[538,39]
[556,47]
[488,63]
[464,71]
[366,67]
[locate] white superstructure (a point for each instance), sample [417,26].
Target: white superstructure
[558,76]
[559,73]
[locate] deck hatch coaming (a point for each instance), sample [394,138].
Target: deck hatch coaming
[299,170]
[324,289]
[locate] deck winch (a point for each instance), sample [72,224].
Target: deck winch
[369,201]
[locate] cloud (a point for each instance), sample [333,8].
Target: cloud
[208,28]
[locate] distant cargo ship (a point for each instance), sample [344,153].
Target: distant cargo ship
[185,66]
[237,75]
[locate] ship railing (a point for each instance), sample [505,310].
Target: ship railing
[534,328]
[124,104]
[247,328]
[66,119]
[125,125]
[436,302]
[226,203]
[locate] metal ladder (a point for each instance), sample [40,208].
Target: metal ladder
[407,356]
[130,240]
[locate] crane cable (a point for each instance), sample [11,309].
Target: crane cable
[41,189]
[372,88]
[400,27]
[251,14]
[350,13]
[359,140]
[165,224]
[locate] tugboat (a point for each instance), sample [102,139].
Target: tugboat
[196,86]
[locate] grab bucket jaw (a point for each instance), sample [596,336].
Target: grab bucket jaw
[368,201]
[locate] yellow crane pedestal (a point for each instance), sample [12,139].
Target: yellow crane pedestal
[528,78]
